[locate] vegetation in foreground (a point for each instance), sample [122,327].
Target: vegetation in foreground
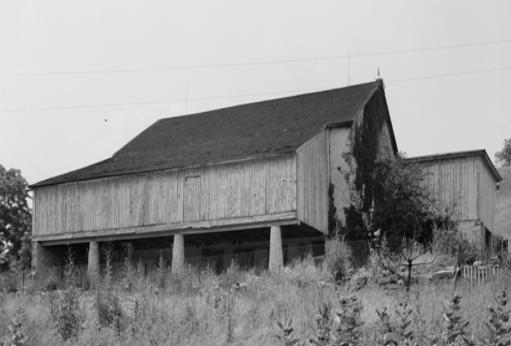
[301,305]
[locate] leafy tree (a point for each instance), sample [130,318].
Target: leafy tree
[15,219]
[400,207]
[503,157]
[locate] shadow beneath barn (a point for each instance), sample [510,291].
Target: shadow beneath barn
[249,249]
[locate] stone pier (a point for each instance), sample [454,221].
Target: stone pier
[93,264]
[178,254]
[276,261]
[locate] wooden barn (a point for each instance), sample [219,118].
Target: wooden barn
[463,184]
[256,182]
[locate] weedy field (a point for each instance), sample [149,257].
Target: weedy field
[297,306]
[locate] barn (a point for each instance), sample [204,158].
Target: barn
[259,183]
[463,185]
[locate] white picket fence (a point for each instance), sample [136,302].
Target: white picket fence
[477,275]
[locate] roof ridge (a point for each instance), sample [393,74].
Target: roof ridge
[376,82]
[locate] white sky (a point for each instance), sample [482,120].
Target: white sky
[462,112]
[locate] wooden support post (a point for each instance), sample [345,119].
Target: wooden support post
[178,254]
[93,264]
[276,261]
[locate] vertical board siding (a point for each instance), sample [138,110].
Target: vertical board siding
[245,189]
[487,197]
[192,198]
[312,185]
[453,185]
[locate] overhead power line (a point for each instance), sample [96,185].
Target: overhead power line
[249,63]
[180,99]
[451,74]
[296,91]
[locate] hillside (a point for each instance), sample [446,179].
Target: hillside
[503,214]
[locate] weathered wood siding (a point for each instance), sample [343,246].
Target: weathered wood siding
[454,184]
[312,188]
[244,189]
[487,196]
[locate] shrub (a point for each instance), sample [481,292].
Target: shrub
[455,327]
[404,322]
[109,309]
[323,326]
[128,269]
[338,258]
[9,281]
[498,330]
[348,323]
[286,333]
[66,312]
[161,273]
[387,336]
[108,253]
[451,241]
[17,328]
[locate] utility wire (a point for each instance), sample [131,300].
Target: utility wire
[249,63]
[181,99]
[296,91]
[452,74]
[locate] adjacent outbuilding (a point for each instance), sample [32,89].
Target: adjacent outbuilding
[463,185]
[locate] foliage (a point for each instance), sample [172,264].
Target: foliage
[286,333]
[498,329]
[15,219]
[455,332]
[337,258]
[403,206]
[348,322]
[215,314]
[450,241]
[343,329]
[503,156]
[108,309]
[108,253]
[323,326]
[399,265]
[400,207]
[66,313]
[128,269]
[387,334]
[161,272]
[17,328]
[404,321]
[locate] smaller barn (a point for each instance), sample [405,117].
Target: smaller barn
[463,185]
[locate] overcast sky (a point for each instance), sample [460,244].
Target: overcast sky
[80,79]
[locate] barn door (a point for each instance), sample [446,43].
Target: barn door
[192,198]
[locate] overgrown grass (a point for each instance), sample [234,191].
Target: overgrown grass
[241,308]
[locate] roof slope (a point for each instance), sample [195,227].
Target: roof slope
[458,155]
[260,129]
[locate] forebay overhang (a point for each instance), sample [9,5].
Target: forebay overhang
[161,230]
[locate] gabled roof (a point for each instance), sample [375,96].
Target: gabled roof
[261,129]
[459,155]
